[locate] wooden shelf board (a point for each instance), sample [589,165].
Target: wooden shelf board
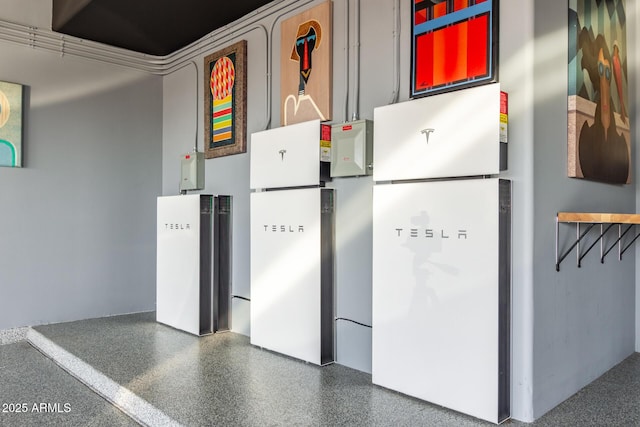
[595,218]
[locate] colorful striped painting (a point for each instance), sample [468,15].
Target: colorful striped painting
[222,83]
[226,101]
[454,45]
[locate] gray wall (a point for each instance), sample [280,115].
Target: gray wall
[516,78]
[102,142]
[78,221]
[584,317]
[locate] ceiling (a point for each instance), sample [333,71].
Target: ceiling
[155,27]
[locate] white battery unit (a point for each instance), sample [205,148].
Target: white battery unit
[441,293]
[193,286]
[454,134]
[287,157]
[192,171]
[292,240]
[352,148]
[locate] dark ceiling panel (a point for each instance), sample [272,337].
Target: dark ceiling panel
[155,27]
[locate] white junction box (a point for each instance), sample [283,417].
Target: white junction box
[441,293]
[454,134]
[292,243]
[193,282]
[192,171]
[352,148]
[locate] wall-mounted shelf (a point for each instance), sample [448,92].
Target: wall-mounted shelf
[606,221]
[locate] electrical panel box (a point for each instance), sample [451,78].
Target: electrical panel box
[352,148]
[192,171]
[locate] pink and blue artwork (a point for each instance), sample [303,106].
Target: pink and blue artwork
[11,95]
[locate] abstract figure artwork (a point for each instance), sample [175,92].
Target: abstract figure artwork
[225,83]
[454,45]
[11,101]
[599,147]
[306,66]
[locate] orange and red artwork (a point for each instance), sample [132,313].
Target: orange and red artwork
[454,45]
[306,53]
[225,101]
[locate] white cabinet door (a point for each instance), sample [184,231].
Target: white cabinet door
[178,262]
[285,272]
[436,293]
[448,135]
[286,157]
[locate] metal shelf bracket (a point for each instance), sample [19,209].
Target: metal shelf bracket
[592,219]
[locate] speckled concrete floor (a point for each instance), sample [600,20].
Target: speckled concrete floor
[222,380]
[34,391]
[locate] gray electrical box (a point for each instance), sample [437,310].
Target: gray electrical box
[352,148]
[192,171]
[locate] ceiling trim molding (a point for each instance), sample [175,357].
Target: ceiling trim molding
[52,41]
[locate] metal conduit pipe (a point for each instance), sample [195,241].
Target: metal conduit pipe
[52,42]
[356,68]
[30,35]
[195,66]
[346,60]
[95,57]
[396,52]
[175,66]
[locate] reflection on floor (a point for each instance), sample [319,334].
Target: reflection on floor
[222,380]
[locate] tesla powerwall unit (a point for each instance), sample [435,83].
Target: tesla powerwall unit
[441,253]
[441,293]
[292,245]
[193,281]
[449,135]
[288,156]
[292,273]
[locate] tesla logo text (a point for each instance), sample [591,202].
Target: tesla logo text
[431,233]
[283,228]
[177,226]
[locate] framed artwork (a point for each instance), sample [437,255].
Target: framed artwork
[225,101]
[454,45]
[11,105]
[598,134]
[306,67]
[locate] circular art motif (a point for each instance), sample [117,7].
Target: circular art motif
[5,109]
[222,78]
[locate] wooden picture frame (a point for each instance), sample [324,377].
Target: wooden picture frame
[225,101]
[11,121]
[306,54]
[599,133]
[454,45]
